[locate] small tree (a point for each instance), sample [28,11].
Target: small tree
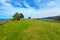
[29,17]
[16,16]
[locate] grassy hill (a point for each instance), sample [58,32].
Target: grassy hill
[30,30]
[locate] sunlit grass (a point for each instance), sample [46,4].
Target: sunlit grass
[30,30]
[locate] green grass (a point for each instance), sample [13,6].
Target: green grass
[30,30]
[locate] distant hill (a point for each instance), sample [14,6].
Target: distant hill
[4,20]
[51,18]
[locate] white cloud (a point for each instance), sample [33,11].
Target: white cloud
[52,4]
[45,12]
[35,13]
[37,1]
[25,3]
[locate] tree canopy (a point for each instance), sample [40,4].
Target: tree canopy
[18,16]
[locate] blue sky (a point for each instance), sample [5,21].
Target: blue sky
[32,8]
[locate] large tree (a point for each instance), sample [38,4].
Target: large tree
[18,16]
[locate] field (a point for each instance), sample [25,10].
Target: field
[30,30]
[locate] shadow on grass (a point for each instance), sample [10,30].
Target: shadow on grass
[1,24]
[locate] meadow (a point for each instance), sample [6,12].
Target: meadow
[30,30]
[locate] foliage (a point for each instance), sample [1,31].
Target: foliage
[29,17]
[18,16]
[21,15]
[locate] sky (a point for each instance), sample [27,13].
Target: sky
[30,8]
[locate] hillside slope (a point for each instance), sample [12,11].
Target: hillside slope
[30,30]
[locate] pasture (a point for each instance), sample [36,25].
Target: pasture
[30,30]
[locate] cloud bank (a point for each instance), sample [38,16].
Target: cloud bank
[32,8]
